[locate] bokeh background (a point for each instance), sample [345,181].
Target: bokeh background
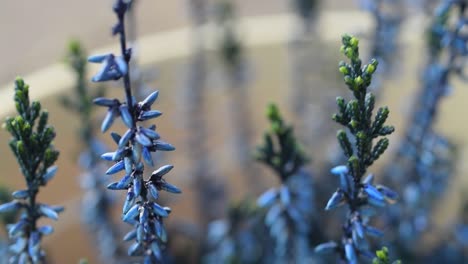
[35,35]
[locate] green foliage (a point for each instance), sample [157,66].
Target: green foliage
[356,114]
[383,258]
[280,149]
[32,137]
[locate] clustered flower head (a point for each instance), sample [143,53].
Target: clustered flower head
[32,146]
[134,149]
[359,193]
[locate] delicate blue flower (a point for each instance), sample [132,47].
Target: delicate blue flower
[336,200]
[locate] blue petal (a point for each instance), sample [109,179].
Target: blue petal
[130,235]
[133,249]
[336,200]
[170,188]
[124,182]
[98,58]
[125,138]
[126,116]
[128,165]
[159,210]
[108,156]
[143,140]
[149,114]
[326,247]
[358,228]
[147,156]
[350,253]
[9,207]
[285,195]
[163,146]
[140,232]
[342,169]
[137,186]
[390,195]
[373,192]
[369,179]
[16,228]
[50,173]
[122,65]
[372,231]
[150,133]
[108,121]
[144,215]
[132,213]
[101,101]
[48,212]
[150,99]
[46,230]
[153,191]
[20,194]
[116,168]
[157,174]
[267,198]
[19,245]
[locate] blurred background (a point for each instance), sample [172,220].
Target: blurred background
[213,92]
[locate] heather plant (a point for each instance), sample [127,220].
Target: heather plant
[236,239]
[387,16]
[232,56]
[424,155]
[289,214]
[140,209]
[306,10]
[357,192]
[209,191]
[97,203]
[32,145]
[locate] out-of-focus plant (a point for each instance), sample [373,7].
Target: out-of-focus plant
[135,146]
[235,239]
[289,207]
[97,203]
[32,146]
[424,156]
[388,16]
[209,191]
[232,56]
[359,193]
[306,10]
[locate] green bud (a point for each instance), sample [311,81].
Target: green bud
[349,52]
[353,124]
[358,81]
[344,70]
[348,80]
[343,49]
[273,112]
[370,69]
[354,42]
[20,147]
